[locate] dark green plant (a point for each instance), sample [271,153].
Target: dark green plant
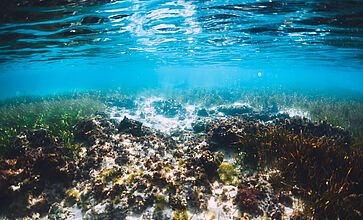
[325,173]
[180,214]
[227,174]
[328,177]
[57,116]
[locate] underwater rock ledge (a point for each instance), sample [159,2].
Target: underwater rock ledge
[284,168]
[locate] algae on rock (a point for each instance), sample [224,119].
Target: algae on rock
[227,174]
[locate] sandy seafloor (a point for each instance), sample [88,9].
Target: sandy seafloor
[155,158]
[146,113]
[179,126]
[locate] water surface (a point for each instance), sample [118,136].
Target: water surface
[56,46]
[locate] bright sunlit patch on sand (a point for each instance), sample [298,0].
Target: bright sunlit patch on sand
[147,114]
[76,213]
[293,112]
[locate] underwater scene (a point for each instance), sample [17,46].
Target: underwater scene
[181,109]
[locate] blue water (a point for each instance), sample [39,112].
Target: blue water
[48,47]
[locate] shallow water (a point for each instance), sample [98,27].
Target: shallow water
[185,109]
[56,46]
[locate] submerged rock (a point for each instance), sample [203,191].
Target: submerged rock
[126,103]
[88,130]
[168,108]
[235,110]
[315,129]
[247,198]
[31,139]
[227,131]
[56,211]
[201,125]
[202,112]
[127,170]
[27,180]
[131,126]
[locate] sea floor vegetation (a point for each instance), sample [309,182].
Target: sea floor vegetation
[202,154]
[57,115]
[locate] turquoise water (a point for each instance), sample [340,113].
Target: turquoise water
[48,47]
[184,109]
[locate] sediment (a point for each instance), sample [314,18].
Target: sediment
[229,162]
